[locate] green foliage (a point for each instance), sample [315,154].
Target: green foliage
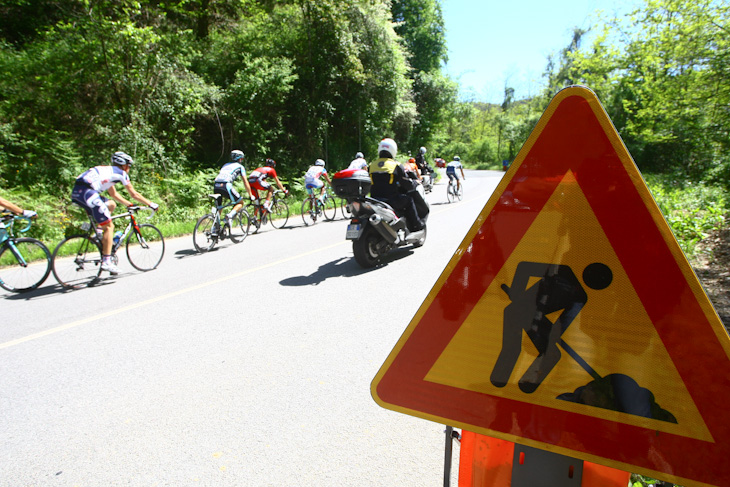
[661,73]
[692,210]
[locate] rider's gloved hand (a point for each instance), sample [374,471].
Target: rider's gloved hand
[29,214]
[154,206]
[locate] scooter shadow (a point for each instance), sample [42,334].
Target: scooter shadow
[342,267]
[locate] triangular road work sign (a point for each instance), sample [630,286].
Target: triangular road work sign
[569,318]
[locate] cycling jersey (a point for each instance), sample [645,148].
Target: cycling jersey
[101,178]
[261,173]
[88,186]
[358,163]
[451,168]
[313,174]
[230,172]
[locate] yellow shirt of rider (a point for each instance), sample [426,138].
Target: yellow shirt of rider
[381,167]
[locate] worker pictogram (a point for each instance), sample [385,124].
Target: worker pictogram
[570,320]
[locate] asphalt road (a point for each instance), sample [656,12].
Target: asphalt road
[248,365]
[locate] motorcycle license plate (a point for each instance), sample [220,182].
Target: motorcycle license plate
[353,231]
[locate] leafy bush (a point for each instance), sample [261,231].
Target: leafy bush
[692,210]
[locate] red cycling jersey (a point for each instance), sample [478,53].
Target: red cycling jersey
[257,178]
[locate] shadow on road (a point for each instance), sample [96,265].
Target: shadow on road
[49,290]
[343,267]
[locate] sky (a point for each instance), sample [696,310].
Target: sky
[493,42]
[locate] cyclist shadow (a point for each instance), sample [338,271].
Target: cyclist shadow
[47,290]
[181,254]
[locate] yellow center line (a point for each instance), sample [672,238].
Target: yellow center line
[163,297]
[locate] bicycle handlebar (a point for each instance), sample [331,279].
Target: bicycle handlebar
[10,218]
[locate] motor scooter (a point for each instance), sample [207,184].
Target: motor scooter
[375,228]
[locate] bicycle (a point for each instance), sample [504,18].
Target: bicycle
[346,210]
[25,262]
[145,247]
[313,207]
[452,193]
[278,215]
[209,230]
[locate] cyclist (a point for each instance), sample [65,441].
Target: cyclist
[359,162]
[451,168]
[311,178]
[223,184]
[392,185]
[86,194]
[412,169]
[257,180]
[16,209]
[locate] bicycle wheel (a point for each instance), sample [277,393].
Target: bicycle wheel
[25,266]
[77,262]
[279,214]
[450,192]
[345,207]
[330,209]
[146,248]
[460,192]
[254,217]
[309,215]
[202,238]
[239,226]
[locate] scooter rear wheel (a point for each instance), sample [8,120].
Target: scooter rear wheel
[365,249]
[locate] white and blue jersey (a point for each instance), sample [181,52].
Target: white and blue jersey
[101,178]
[88,186]
[311,177]
[224,181]
[230,172]
[451,168]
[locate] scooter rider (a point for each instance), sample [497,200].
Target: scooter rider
[421,161]
[392,185]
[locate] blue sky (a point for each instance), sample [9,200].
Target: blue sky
[492,42]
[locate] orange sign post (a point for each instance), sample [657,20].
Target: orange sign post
[569,319]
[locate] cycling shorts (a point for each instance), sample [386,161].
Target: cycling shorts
[227,190]
[92,202]
[259,184]
[313,184]
[451,173]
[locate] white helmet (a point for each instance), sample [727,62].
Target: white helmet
[389,146]
[236,155]
[319,162]
[119,158]
[359,155]
[422,150]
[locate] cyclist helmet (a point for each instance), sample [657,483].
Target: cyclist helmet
[121,159]
[270,162]
[389,146]
[457,158]
[412,160]
[319,162]
[236,155]
[359,156]
[422,150]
